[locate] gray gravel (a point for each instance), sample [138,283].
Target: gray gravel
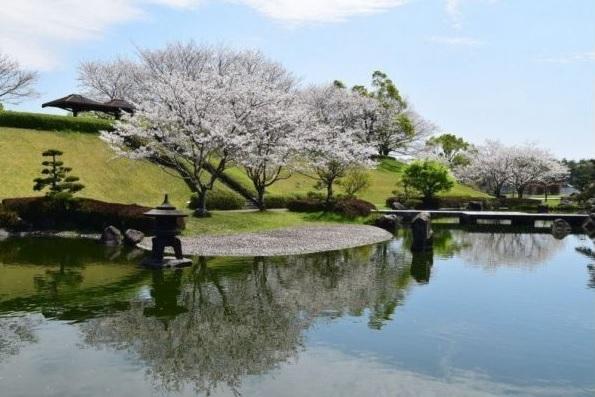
[289,241]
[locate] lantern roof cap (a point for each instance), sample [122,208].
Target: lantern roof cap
[165,209]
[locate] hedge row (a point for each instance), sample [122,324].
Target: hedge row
[50,122]
[348,207]
[81,214]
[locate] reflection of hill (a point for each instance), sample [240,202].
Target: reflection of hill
[490,250]
[65,278]
[213,327]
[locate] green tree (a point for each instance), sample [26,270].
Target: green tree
[55,176]
[428,177]
[582,172]
[450,148]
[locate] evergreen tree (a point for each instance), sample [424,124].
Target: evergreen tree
[55,176]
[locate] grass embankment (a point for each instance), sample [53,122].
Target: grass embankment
[105,177]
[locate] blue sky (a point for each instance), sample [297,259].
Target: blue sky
[515,70]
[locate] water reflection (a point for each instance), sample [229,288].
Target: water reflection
[221,324]
[492,250]
[207,329]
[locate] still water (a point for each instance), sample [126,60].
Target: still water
[485,314]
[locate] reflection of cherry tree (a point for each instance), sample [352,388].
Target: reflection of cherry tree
[491,250]
[16,332]
[209,328]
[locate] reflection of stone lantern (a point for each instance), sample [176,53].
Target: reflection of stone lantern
[167,219]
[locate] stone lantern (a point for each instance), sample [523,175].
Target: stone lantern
[167,219]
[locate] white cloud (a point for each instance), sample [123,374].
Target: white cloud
[35,32]
[461,41]
[453,10]
[304,11]
[587,56]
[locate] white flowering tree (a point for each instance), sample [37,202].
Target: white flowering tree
[185,117]
[268,115]
[489,167]
[494,166]
[16,84]
[117,79]
[532,165]
[331,143]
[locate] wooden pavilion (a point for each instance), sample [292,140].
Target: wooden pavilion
[77,103]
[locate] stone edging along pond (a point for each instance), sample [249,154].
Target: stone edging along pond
[279,242]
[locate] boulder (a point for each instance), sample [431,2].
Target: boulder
[398,206]
[132,237]
[4,234]
[475,206]
[589,226]
[388,222]
[543,209]
[421,228]
[560,228]
[111,236]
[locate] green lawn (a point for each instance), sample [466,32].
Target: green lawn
[229,222]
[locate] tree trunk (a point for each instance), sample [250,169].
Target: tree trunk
[329,195]
[201,208]
[520,190]
[260,199]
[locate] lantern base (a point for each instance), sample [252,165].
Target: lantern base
[167,261]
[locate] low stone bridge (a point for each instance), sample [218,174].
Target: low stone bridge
[471,217]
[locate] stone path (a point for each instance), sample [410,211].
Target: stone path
[287,241]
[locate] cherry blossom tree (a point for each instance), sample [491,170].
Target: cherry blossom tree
[489,167]
[190,104]
[117,79]
[557,173]
[16,83]
[331,143]
[269,118]
[533,165]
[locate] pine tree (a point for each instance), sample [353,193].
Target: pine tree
[56,176]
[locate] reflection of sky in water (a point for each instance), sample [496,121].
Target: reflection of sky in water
[503,326]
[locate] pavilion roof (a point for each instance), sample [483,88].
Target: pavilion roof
[79,103]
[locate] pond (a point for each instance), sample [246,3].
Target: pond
[488,313]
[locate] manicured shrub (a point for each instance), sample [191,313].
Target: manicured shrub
[277,201]
[306,205]
[50,122]
[352,207]
[220,200]
[9,219]
[80,214]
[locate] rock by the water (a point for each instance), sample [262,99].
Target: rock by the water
[421,228]
[111,236]
[589,226]
[388,222]
[398,206]
[4,234]
[543,209]
[133,237]
[475,206]
[560,228]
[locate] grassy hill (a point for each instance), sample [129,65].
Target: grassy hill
[104,176]
[127,181]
